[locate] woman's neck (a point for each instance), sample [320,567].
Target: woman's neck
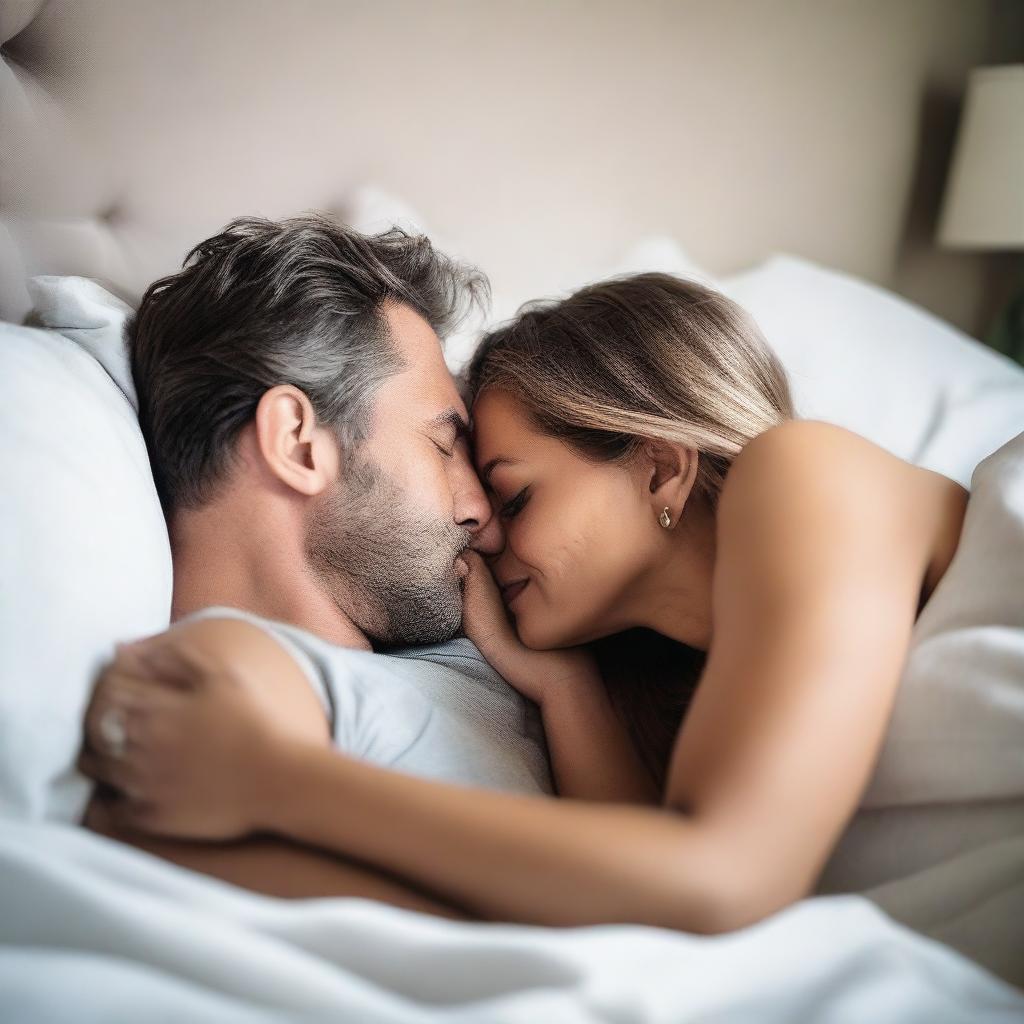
[673,597]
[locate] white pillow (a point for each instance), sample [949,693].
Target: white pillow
[866,359]
[84,553]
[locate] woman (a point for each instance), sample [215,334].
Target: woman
[674,541]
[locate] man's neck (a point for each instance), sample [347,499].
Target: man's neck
[240,567]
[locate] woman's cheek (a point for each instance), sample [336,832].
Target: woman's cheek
[558,608]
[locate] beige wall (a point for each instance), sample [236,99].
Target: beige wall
[536,135]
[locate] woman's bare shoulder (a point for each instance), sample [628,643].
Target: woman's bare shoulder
[790,463]
[806,494]
[823,445]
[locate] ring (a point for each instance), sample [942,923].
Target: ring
[114,731]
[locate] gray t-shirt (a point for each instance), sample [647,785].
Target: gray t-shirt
[439,710]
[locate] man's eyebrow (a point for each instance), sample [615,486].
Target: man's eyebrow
[452,418]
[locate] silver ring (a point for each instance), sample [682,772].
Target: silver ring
[114,731]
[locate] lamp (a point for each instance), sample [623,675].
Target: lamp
[984,201]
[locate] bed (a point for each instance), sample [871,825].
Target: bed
[919,915]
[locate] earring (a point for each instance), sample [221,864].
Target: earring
[665,519]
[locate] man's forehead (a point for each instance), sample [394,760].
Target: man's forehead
[411,334]
[426,385]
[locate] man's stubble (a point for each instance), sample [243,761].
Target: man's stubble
[385,565]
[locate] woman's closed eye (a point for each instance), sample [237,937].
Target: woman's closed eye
[514,506]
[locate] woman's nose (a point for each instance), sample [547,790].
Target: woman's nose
[489,539]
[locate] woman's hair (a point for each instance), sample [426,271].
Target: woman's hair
[649,356]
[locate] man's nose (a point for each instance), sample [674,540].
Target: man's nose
[477,516]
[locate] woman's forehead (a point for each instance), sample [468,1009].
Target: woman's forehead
[504,432]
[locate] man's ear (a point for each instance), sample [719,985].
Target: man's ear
[301,454]
[670,471]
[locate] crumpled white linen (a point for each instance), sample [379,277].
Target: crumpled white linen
[94,931]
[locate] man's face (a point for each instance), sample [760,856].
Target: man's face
[385,541]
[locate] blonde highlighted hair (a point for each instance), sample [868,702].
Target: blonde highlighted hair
[622,361]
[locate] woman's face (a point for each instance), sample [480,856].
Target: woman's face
[578,532]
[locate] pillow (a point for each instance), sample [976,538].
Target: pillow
[84,553]
[866,359]
[85,312]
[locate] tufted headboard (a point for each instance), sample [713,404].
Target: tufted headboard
[533,135]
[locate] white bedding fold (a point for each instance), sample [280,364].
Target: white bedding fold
[92,930]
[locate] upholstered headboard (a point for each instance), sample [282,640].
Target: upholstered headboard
[532,135]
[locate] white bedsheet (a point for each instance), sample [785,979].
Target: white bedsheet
[94,931]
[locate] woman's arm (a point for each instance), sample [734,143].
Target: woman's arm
[502,856]
[275,867]
[592,755]
[209,759]
[819,561]
[267,864]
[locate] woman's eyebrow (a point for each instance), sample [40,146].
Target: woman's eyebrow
[485,473]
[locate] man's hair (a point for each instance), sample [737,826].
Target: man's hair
[298,301]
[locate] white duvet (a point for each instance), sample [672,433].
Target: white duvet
[94,931]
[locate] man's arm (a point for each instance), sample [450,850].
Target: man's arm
[276,867]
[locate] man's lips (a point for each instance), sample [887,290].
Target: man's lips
[512,590]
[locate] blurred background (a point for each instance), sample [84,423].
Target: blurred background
[534,138]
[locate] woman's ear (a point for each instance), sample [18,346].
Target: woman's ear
[301,454]
[671,472]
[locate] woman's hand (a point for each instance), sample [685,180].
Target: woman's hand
[183,737]
[533,673]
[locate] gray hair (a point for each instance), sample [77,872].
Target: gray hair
[298,301]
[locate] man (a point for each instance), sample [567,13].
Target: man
[311,454]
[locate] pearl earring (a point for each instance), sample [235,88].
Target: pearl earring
[665,519]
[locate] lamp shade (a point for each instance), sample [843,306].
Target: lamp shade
[984,201]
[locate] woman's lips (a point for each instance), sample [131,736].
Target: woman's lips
[513,590]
